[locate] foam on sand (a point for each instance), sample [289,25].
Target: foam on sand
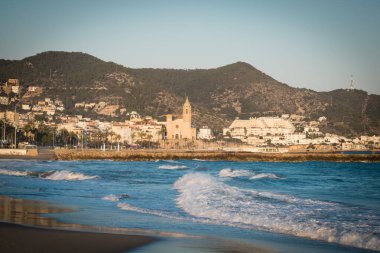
[173,167]
[204,196]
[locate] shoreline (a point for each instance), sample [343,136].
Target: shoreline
[152,155]
[24,228]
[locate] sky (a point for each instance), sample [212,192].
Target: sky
[315,44]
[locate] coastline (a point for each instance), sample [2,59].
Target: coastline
[24,228]
[151,155]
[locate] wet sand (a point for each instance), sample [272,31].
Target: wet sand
[23,228]
[48,235]
[18,238]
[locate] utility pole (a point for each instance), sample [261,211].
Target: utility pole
[4,129]
[53,138]
[15,127]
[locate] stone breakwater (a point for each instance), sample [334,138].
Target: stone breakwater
[148,155]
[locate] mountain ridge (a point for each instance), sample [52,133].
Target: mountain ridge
[218,95]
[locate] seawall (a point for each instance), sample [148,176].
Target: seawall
[18,152]
[146,155]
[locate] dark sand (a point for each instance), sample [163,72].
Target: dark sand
[18,238]
[49,235]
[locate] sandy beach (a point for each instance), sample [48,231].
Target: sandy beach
[17,238]
[35,233]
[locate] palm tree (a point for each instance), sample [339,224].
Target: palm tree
[149,137]
[163,132]
[112,133]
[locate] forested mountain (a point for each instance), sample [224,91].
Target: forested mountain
[217,95]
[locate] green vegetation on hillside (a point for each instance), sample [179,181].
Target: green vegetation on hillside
[217,95]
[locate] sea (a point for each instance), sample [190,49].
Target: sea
[212,206]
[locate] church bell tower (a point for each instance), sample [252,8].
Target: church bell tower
[186,115]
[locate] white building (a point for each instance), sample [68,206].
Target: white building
[25,107]
[263,126]
[124,131]
[205,133]
[147,132]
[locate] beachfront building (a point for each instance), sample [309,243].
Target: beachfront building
[122,132]
[177,129]
[205,133]
[261,127]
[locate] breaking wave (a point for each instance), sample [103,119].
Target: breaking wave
[265,175]
[246,173]
[173,167]
[235,173]
[51,175]
[13,172]
[115,198]
[67,175]
[205,197]
[199,160]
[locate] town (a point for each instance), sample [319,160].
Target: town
[29,118]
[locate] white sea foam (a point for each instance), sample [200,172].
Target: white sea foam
[235,173]
[67,175]
[265,175]
[172,167]
[13,172]
[246,173]
[199,160]
[128,207]
[208,198]
[51,175]
[111,197]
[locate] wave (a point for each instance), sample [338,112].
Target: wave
[173,167]
[115,198]
[128,207]
[50,175]
[204,196]
[246,173]
[235,173]
[67,175]
[265,175]
[111,197]
[13,172]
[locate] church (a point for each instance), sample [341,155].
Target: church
[178,129]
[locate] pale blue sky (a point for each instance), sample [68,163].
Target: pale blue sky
[315,44]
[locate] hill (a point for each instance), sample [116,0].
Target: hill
[218,95]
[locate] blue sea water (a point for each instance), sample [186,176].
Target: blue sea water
[286,207]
